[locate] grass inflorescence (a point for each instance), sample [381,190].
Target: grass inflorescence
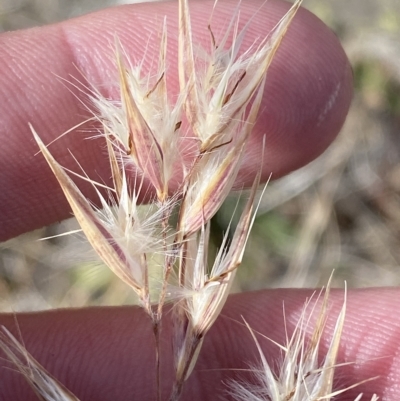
[219,99]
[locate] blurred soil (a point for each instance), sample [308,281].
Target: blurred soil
[340,212]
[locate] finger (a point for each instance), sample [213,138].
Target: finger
[305,102]
[108,353]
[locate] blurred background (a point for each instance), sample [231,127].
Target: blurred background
[340,212]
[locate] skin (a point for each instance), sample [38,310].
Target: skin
[106,353]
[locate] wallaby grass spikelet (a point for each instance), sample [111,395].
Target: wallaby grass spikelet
[300,375]
[221,89]
[46,387]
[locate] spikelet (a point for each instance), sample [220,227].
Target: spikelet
[300,376]
[222,106]
[46,387]
[116,232]
[144,126]
[216,100]
[207,292]
[216,106]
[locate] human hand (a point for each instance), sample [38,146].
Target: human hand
[102,353]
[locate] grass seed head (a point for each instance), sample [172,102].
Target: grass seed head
[144,125]
[221,91]
[116,233]
[300,375]
[217,99]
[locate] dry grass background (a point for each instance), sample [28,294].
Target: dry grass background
[340,212]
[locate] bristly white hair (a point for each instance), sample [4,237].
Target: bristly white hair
[299,376]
